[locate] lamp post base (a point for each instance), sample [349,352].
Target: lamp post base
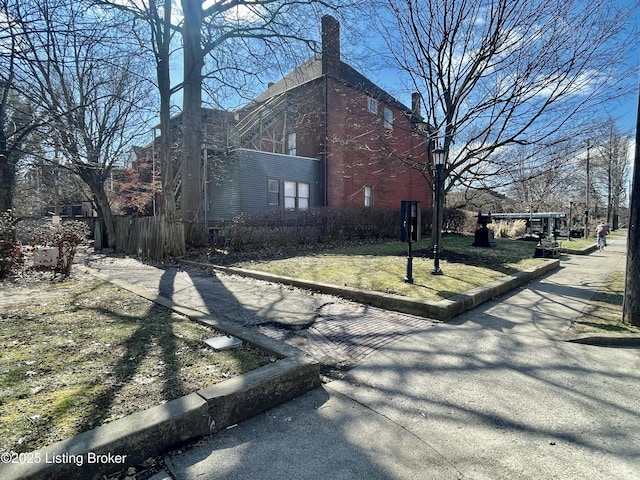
[436,271]
[408,278]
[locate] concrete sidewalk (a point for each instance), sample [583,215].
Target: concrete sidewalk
[547,307]
[494,394]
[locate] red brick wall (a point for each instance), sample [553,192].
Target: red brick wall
[363,152]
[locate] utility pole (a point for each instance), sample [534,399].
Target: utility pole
[586,204]
[631,306]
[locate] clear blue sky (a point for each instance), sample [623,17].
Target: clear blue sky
[623,109]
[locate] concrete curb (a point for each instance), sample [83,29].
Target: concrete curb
[131,440]
[581,251]
[443,310]
[626,340]
[116,445]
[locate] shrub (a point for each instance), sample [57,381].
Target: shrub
[65,237]
[454,220]
[275,229]
[500,229]
[11,258]
[518,228]
[509,228]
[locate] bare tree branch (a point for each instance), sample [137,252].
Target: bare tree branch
[501,73]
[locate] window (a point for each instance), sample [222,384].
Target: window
[296,195]
[368,196]
[290,191]
[388,118]
[273,193]
[372,105]
[303,196]
[291,144]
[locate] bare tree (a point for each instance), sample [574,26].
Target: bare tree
[499,73]
[160,39]
[544,178]
[611,169]
[18,121]
[18,117]
[87,87]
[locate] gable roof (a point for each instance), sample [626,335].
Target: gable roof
[312,70]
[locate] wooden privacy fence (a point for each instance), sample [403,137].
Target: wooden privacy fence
[150,237]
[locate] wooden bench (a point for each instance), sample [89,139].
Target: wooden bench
[547,248]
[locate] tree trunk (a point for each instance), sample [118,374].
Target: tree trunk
[631,308]
[191,196]
[173,245]
[7,176]
[104,212]
[95,182]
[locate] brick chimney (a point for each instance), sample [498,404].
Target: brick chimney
[416,104]
[330,46]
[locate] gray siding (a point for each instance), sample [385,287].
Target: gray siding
[238,181]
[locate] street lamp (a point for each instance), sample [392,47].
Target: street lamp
[570,222]
[439,161]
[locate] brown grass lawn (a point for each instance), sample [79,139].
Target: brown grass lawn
[79,353]
[604,312]
[382,267]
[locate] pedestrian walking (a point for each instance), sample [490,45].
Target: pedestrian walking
[602,230]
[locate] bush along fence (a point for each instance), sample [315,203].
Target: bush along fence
[319,225]
[323,225]
[42,245]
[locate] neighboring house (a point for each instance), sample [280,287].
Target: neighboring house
[324,135]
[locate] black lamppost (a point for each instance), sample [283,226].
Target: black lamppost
[438,161]
[570,222]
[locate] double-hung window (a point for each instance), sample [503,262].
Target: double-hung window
[303,196]
[372,105]
[296,195]
[368,196]
[273,192]
[291,144]
[388,118]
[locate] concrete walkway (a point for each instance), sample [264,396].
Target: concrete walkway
[547,307]
[330,329]
[493,395]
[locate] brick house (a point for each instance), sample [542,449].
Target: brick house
[324,135]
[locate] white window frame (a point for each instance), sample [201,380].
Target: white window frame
[368,196]
[296,195]
[388,118]
[273,191]
[372,105]
[292,144]
[290,195]
[304,194]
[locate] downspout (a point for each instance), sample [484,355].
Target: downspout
[326,138]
